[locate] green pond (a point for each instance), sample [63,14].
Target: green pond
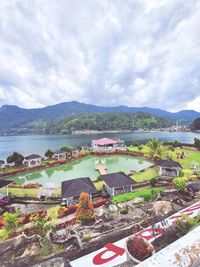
[84,167]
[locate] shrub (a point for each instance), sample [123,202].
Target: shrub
[179,183]
[153,181]
[85,211]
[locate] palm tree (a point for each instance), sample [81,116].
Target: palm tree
[155,149]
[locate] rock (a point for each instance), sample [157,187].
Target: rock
[161,208]
[138,200]
[113,208]
[18,248]
[55,262]
[195,186]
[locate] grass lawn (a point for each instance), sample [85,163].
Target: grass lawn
[147,194]
[133,148]
[27,192]
[186,163]
[148,174]
[23,192]
[99,184]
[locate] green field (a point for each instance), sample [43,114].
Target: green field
[147,194]
[148,174]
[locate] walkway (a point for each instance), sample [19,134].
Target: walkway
[101,168]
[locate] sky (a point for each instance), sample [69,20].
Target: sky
[103,52]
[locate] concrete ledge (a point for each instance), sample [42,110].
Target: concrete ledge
[184,252]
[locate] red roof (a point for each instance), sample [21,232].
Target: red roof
[106,141]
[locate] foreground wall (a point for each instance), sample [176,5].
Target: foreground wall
[183,252]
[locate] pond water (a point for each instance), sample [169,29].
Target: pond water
[84,167]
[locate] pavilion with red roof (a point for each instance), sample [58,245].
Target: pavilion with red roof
[106,144]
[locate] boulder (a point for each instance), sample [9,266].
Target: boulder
[162,208]
[19,248]
[55,262]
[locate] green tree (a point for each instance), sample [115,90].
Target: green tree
[197,143]
[48,154]
[155,149]
[196,125]
[66,148]
[16,158]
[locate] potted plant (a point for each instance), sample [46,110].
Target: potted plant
[138,249]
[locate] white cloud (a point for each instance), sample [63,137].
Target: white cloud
[140,53]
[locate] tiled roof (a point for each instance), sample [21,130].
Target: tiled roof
[117,179]
[75,187]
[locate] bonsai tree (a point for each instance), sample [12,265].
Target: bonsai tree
[16,158]
[48,154]
[85,211]
[139,248]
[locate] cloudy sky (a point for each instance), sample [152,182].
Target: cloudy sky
[104,52]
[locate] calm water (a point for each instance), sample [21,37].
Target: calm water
[40,143]
[82,168]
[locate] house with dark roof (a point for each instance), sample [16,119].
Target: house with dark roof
[4,188]
[71,189]
[32,160]
[59,155]
[169,167]
[118,183]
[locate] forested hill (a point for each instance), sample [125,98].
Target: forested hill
[106,121]
[16,120]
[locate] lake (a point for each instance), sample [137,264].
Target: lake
[40,143]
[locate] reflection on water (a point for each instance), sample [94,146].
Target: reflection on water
[84,167]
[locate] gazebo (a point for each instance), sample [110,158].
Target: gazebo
[169,167]
[71,189]
[118,183]
[59,154]
[32,160]
[107,144]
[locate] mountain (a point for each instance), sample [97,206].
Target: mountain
[14,118]
[106,121]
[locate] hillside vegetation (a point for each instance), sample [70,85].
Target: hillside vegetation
[106,121]
[16,120]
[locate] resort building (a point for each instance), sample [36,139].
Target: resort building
[107,144]
[59,155]
[32,160]
[71,189]
[75,152]
[118,183]
[2,162]
[4,188]
[169,168]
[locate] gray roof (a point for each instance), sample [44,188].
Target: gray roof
[75,187]
[2,161]
[4,183]
[117,179]
[32,156]
[60,152]
[169,163]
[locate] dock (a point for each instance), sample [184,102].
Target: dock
[101,168]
